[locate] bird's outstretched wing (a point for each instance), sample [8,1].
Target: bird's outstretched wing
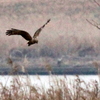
[40,29]
[24,34]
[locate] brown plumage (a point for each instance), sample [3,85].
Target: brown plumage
[26,35]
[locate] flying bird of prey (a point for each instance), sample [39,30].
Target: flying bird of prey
[26,35]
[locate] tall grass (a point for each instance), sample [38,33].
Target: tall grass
[60,89]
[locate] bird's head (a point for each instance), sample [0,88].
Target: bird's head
[36,41]
[32,42]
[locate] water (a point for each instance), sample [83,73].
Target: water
[45,81]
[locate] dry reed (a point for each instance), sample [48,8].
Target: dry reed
[60,90]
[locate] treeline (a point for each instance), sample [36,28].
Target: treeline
[47,51]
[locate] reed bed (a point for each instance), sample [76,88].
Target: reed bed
[59,89]
[22,88]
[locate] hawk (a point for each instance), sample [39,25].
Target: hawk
[26,35]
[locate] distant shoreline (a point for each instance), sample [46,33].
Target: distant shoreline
[54,71]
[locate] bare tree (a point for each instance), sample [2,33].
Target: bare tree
[92,22]
[96,2]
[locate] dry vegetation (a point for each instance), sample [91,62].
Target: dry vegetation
[70,28]
[60,90]
[22,88]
